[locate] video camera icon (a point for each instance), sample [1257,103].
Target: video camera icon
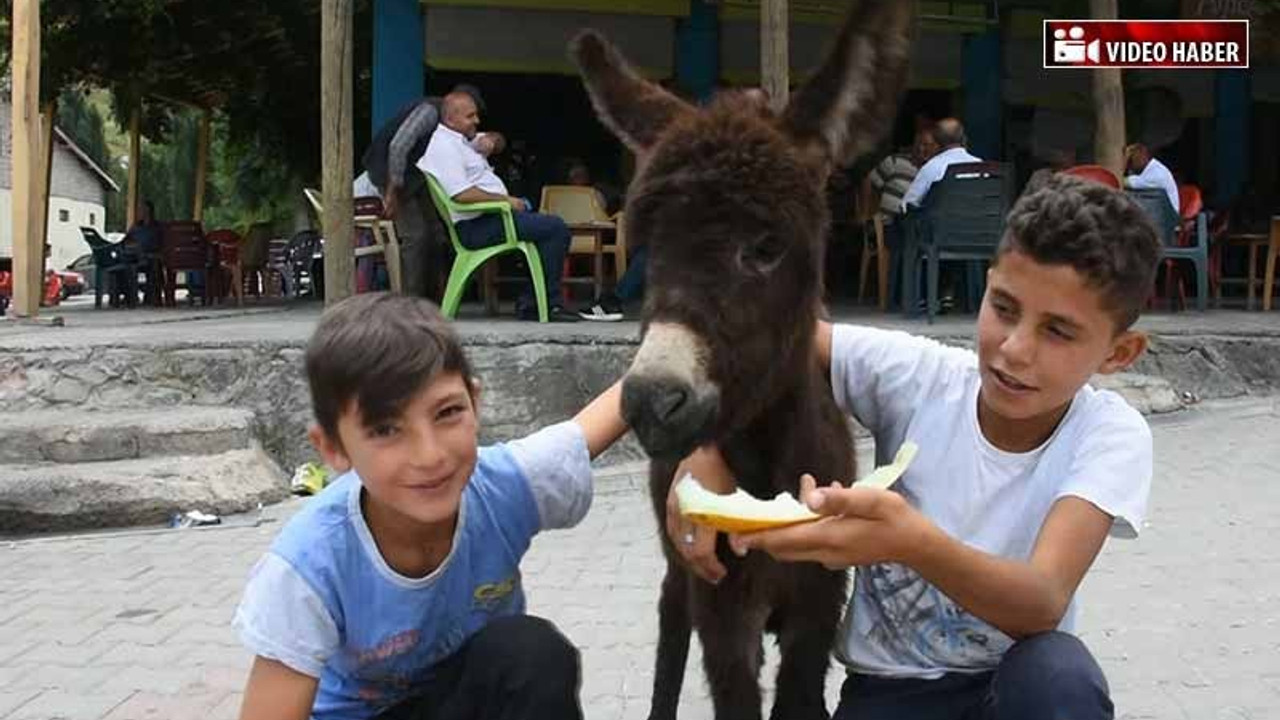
[1070,48]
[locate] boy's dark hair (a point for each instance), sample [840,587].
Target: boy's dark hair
[379,350]
[1098,231]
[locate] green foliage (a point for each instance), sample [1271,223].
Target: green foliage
[256,62]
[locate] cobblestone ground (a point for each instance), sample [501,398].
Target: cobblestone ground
[1184,620]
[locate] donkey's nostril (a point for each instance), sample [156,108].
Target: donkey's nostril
[668,401]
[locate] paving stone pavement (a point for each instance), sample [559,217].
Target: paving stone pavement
[1185,620]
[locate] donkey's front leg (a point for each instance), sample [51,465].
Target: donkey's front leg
[730,625]
[674,628]
[807,627]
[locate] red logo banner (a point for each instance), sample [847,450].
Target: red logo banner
[1146,43]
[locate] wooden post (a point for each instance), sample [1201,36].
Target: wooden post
[28,244]
[135,164]
[775,63]
[41,197]
[336,148]
[202,166]
[1108,102]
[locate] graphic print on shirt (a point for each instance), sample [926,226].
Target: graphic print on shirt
[917,620]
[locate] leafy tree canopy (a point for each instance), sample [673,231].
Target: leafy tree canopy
[257,62]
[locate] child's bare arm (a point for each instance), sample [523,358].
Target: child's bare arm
[276,692]
[823,340]
[869,526]
[601,420]
[1020,598]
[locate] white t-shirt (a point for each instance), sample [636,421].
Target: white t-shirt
[452,160]
[903,387]
[1156,175]
[933,171]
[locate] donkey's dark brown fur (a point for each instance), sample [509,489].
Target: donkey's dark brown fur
[729,199]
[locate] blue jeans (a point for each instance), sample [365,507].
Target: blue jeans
[631,285]
[1050,676]
[548,232]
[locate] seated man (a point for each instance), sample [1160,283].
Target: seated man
[467,177]
[894,175]
[949,134]
[950,137]
[389,174]
[1147,172]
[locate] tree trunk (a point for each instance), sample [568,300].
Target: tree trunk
[28,244]
[775,65]
[337,141]
[135,165]
[1108,102]
[202,166]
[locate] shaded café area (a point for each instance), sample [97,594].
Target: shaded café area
[973,61]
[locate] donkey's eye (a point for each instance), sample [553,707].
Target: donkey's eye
[765,251]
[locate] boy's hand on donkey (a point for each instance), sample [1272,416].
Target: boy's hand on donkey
[696,543]
[863,526]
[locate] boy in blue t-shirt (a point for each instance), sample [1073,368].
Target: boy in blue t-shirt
[396,592]
[963,600]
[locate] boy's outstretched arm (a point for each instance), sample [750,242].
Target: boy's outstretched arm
[601,420]
[867,526]
[823,340]
[277,692]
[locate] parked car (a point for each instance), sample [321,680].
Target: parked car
[84,266]
[72,283]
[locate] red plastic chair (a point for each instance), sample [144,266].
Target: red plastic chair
[228,274]
[1096,173]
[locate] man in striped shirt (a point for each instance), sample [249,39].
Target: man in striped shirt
[890,179]
[894,174]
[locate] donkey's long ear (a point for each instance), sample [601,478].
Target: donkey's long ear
[850,103]
[636,110]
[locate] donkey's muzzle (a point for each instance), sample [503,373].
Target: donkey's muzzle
[668,415]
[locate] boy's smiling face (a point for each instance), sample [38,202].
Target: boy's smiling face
[416,465]
[1042,333]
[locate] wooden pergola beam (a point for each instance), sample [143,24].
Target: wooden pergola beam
[135,164]
[202,166]
[337,140]
[45,176]
[1108,99]
[28,242]
[775,62]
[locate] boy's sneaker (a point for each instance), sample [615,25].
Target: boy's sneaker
[606,308]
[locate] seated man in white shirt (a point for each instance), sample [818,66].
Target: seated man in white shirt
[466,175]
[1147,172]
[949,134]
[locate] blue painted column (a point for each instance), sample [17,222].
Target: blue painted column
[1231,134]
[981,70]
[399,56]
[698,50]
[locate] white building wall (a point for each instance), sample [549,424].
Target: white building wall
[65,240]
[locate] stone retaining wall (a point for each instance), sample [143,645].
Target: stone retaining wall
[525,384]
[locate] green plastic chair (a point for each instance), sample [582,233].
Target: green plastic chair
[468,261]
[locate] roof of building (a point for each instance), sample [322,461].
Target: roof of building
[84,158]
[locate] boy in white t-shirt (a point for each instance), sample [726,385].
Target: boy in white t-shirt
[963,599]
[396,592]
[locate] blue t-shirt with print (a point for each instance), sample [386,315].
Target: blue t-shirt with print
[324,602]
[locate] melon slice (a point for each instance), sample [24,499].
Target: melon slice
[741,512]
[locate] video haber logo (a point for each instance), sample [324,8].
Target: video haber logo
[1146,44]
